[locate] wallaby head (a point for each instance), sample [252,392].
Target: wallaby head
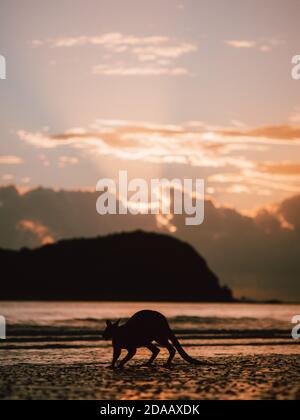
[110,329]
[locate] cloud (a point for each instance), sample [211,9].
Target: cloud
[160,51]
[181,139]
[241,44]
[36,229]
[258,252]
[289,209]
[286,168]
[257,181]
[277,132]
[40,140]
[142,141]
[110,40]
[151,53]
[127,134]
[107,70]
[41,215]
[262,45]
[10,160]
[158,46]
[224,154]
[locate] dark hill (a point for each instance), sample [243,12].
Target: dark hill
[132,266]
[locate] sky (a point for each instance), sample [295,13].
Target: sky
[187,88]
[179,88]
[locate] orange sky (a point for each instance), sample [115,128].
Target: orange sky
[179,89]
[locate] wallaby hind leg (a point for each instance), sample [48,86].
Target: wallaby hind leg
[170,349]
[155,351]
[130,355]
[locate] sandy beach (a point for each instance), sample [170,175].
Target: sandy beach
[55,351]
[252,377]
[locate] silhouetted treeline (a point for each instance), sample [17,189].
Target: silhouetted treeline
[131,266]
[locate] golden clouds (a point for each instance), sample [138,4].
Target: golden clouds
[10,160]
[235,159]
[285,168]
[37,229]
[276,132]
[154,55]
[262,45]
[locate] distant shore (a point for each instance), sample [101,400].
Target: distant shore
[234,301]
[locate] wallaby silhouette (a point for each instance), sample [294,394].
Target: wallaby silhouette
[142,330]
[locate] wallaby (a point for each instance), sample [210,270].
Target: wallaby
[142,330]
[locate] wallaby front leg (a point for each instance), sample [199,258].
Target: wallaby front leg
[130,355]
[116,355]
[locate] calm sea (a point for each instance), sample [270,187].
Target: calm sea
[51,313]
[70,332]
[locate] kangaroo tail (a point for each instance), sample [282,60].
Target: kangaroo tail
[181,351]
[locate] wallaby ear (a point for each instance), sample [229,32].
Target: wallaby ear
[108,323]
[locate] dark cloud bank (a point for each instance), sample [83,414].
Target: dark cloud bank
[256,256]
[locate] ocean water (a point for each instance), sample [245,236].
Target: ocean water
[84,313]
[70,332]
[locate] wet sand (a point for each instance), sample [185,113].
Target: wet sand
[55,351]
[239,377]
